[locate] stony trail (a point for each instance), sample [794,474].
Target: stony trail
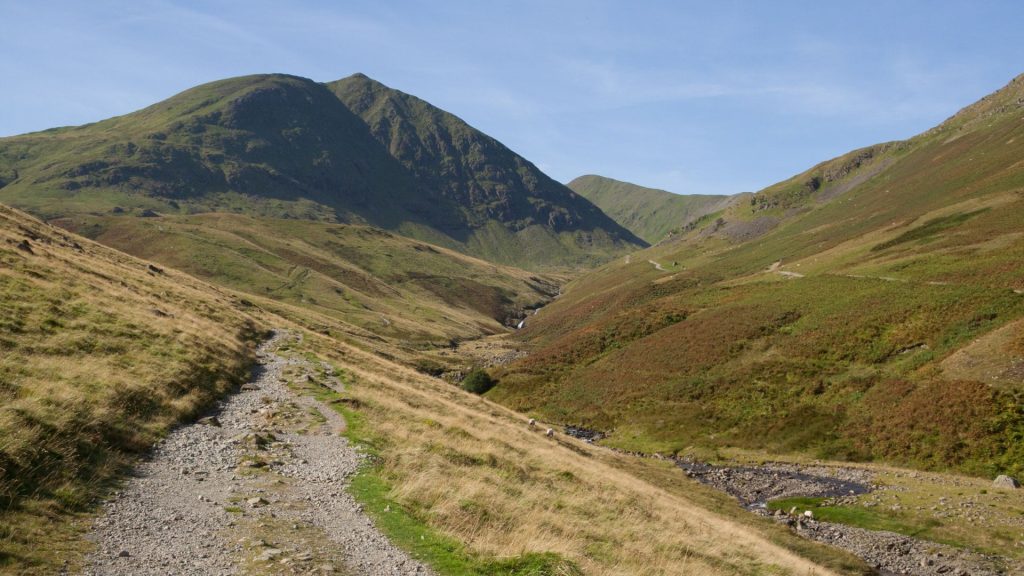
[257,488]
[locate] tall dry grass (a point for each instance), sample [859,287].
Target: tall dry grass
[99,356]
[474,470]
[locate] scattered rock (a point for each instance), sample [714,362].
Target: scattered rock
[754,486]
[209,421]
[157,518]
[268,555]
[155,269]
[25,246]
[1004,481]
[148,213]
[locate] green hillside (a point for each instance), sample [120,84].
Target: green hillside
[286,147]
[869,308]
[649,213]
[372,283]
[103,353]
[456,163]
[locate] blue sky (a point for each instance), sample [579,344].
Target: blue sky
[693,97]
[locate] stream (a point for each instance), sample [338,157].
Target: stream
[887,553]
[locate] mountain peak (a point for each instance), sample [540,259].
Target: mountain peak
[286,146]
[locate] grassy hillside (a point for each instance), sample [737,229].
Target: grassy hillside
[869,308]
[287,147]
[453,161]
[475,471]
[375,283]
[101,354]
[649,213]
[269,144]
[104,352]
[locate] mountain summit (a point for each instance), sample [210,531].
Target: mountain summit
[289,147]
[457,164]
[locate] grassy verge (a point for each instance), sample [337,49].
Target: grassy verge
[856,516]
[402,525]
[469,488]
[100,355]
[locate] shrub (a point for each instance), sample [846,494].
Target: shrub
[478,382]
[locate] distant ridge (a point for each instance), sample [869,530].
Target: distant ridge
[649,213]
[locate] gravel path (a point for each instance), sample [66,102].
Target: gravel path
[257,488]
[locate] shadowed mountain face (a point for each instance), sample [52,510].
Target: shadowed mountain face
[283,146]
[455,163]
[265,144]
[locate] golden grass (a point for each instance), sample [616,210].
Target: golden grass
[100,356]
[475,471]
[91,374]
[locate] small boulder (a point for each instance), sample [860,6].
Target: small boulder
[268,555]
[209,421]
[25,246]
[1004,481]
[256,502]
[123,554]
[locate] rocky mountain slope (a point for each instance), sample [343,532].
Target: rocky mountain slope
[288,147]
[649,213]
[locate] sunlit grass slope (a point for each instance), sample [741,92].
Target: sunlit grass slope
[382,284]
[99,355]
[474,471]
[866,309]
[647,212]
[103,352]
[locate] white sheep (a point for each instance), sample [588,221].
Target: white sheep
[549,433]
[532,422]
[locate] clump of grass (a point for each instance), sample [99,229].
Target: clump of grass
[858,516]
[478,382]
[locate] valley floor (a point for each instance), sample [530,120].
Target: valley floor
[257,488]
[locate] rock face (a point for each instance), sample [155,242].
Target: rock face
[1004,481]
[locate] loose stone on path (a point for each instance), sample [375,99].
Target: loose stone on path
[240,489]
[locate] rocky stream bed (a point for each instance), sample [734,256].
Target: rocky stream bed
[889,553]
